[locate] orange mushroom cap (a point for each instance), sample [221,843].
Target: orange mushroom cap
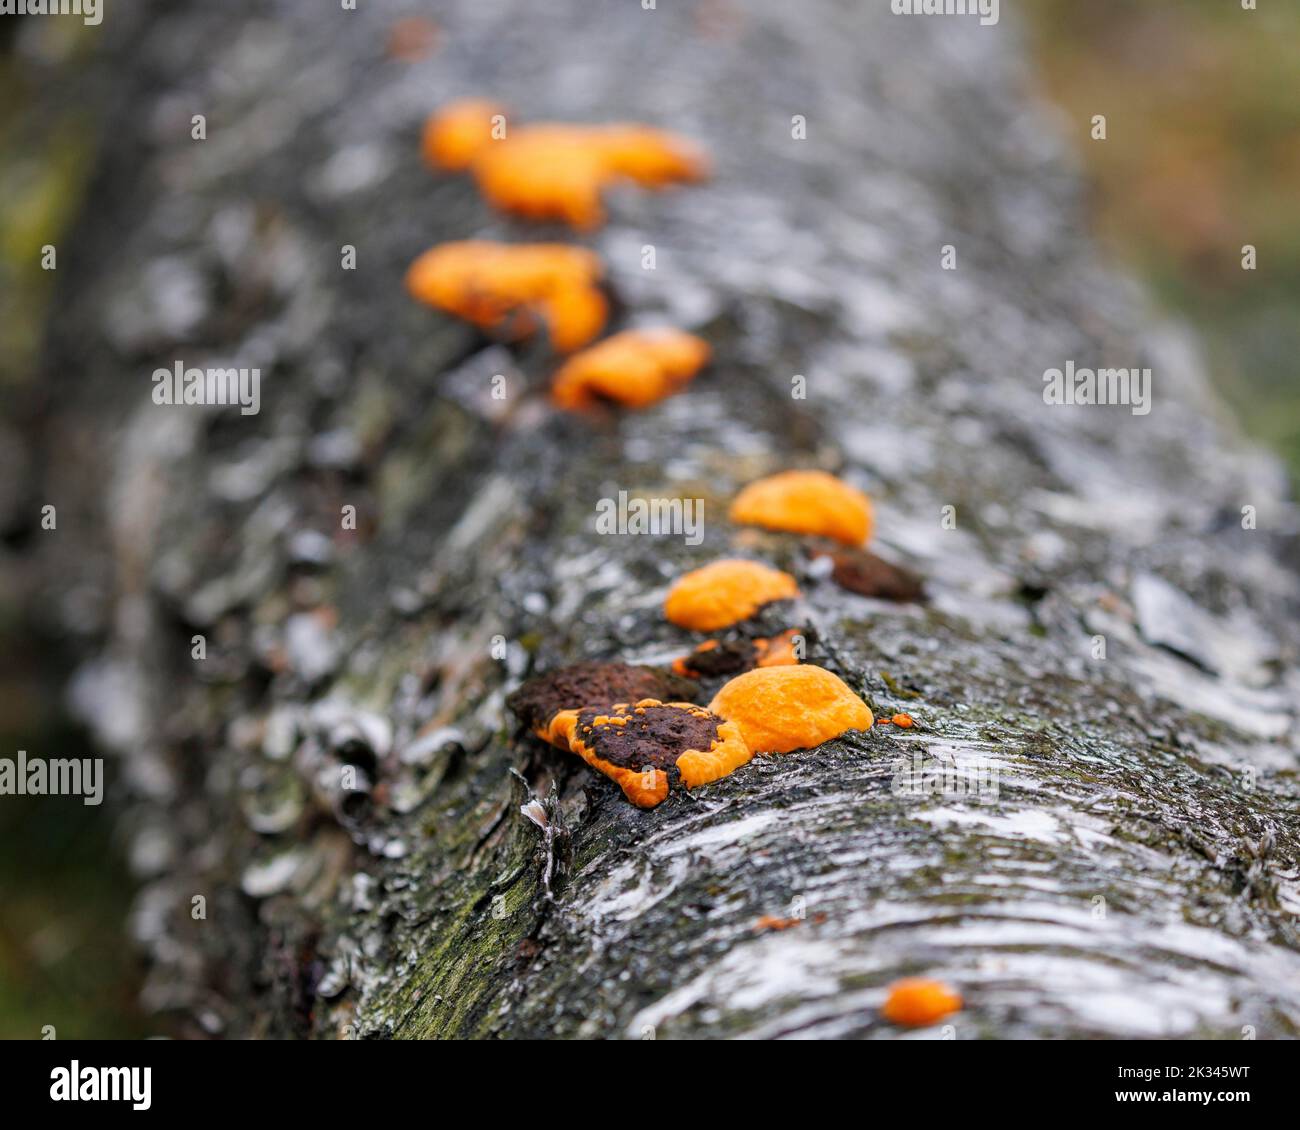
[638,745]
[508,287]
[634,368]
[558,171]
[917,1002]
[456,133]
[805,502]
[724,593]
[783,708]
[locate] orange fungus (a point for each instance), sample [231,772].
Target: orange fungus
[779,709]
[634,368]
[555,171]
[456,133]
[509,288]
[725,593]
[918,1002]
[642,745]
[805,502]
[721,658]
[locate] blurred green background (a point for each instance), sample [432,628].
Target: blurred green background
[1202,100]
[1203,155]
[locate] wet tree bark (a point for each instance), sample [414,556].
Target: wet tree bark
[1107,653]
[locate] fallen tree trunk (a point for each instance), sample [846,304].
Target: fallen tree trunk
[1091,831]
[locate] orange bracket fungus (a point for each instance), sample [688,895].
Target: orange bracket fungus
[551,170]
[591,683]
[724,593]
[557,172]
[783,708]
[634,368]
[456,133]
[639,746]
[730,657]
[508,288]
[917,1002]
[805,502]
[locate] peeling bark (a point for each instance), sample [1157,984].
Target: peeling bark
[1136,872]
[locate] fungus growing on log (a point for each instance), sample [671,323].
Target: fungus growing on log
[779,709]
[724,593]
[554,171]
[589,683]
[641,746]
[508,288]
[730,657]
[634,368]
[917,1002]
[862,572]
[805,502]
[456,133]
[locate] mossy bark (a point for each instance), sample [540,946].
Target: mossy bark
[1126,863]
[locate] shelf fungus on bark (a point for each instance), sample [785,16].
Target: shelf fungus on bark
[642,745]
[590,683]
[805,502]
[724,593]
[714,658]
[555,170]
[509,288]
[917,1002]
[862,572]
[454,135]
[634,368]
[779,709]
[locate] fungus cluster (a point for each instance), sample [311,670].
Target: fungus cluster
[634,368]
[510,288]
[724,593]
[551,170]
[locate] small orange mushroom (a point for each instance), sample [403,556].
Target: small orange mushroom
[555,171]
[639,745]
[508,288]
[903,720]
[805,502]
[634,368]
[456,133]
[917,1002]
[779,709]
[724,593]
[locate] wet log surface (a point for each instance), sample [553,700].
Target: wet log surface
[1136,872]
